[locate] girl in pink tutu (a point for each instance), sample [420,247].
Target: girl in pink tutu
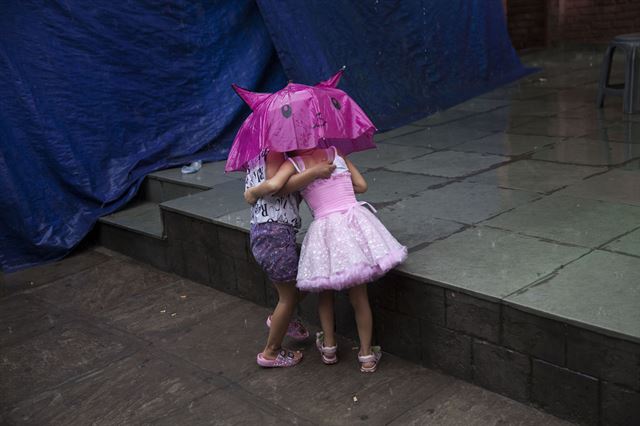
[345,247]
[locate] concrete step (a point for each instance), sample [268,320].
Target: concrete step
[571,368]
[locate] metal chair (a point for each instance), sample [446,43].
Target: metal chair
[630,44]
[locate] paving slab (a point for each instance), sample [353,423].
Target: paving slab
[480,105]
[62,353]
[612,307]
[564,127]
[385,186]
[207,205]
[464,404]
[585,94]
[508,144]
[449,164]
[21,318]
[134,390]
[624,132]
[379,137]
[446,116]
[488,262]
[536,176]
[394,388]
[627,244]
[103,286]
[411,229]
[210,175]
[590,152]
[162,311]
[386,154]
[499,120]
[464,202]
[143,217]
[39,275]
[439,137]
[517,92]
[618,186]
[230,406]
[588,223]
[225,344]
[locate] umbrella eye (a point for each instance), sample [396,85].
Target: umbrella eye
[286,110]
[335,103]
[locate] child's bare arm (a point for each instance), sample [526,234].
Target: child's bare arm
[298,181]
[359,183]
[271,185]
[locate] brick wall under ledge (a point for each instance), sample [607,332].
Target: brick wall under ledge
[539,23]
[567,371]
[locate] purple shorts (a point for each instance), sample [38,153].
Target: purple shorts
[274,247]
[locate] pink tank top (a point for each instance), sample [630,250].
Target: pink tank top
[332,195]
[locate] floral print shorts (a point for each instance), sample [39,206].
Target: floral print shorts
[274,247]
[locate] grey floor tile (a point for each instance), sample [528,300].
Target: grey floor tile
[385,186]
[621,131]
[464,404]
[21,318]
[39,275]
[103,286]
[619,186]
[392,390]
[240,219]
[585,94]
[488,262]
[539,108]
[210,175]
[412,229]
[225,343]
[447,116]
[564,127]
[629,244]
[231,406]
[142,217]
[589,152]
[386,154]
[515,91]
[538,176]
[500,120]
[464,202]
[438,137]
[508,144]
[580,221]
[134,390]
[49,359]
[379,137]
[449,164]
[162,311]
[480,105]
[219,201]
[612,283]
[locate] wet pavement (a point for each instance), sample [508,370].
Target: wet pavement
[101,339]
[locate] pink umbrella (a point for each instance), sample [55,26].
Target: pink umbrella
[300,117]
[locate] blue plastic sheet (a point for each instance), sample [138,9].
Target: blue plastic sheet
[405,58]
[94,95]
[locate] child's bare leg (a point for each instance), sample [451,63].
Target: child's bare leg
[364,320]
[325,312]
[287,301]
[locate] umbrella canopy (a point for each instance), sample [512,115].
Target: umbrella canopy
[300,117]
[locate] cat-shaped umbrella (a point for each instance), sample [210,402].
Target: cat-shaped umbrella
[300,117]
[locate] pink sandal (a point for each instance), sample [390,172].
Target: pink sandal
[376,354]
[328,353]
[285,358]
[296,329]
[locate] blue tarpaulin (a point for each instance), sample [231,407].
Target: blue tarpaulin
[94,95]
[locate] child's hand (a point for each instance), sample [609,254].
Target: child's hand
[324,169]
[250,197]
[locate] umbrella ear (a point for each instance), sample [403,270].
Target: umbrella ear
[333,81]
[250,98]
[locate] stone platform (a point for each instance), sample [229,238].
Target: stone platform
[521,209]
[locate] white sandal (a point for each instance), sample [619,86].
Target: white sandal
[376,354]
[328,353]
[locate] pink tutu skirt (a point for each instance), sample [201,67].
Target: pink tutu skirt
[346,249]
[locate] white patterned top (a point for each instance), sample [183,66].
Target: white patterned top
[269,208]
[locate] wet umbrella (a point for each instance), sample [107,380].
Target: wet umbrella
[300,117]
